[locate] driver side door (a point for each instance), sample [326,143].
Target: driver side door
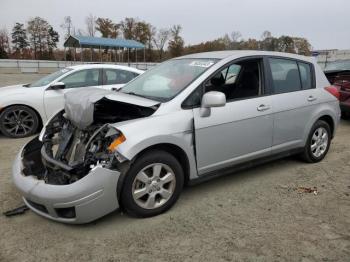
[242,129]
[54,99]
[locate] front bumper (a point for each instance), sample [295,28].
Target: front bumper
[83,201]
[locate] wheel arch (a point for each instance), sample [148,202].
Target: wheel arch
[175,150]
[329,120]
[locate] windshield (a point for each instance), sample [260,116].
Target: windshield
[338,65]
[165,81]
[49,78]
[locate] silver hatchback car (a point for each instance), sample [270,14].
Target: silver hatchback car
[187,120]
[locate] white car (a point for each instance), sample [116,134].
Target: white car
[24,108]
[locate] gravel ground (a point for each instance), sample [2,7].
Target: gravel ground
[254,215]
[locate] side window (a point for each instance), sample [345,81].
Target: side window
[237,81]
[305,75]
[285,75]
[83,78]
[116,76]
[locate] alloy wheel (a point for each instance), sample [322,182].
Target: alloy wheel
[319,142]
[153,186]
[18,122]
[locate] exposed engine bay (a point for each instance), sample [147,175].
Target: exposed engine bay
[67,153]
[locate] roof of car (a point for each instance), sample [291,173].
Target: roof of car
[242,53]
[98,65]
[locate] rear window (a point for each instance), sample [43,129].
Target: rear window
[285,75]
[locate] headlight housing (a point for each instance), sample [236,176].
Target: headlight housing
[116,142]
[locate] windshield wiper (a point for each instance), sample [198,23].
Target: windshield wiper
[134,94]
[155,98]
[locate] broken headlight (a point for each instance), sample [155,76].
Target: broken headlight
[102,146]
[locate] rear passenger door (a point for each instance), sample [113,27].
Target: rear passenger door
[293,100]
[114,79]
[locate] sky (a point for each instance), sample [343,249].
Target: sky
[325,23]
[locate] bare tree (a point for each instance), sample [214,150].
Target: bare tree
[4,43]
[80,32]
[68,26]
[176,44]
[107,28]
[160,39]
[128,26]
[235,36]
[266,34]
[90,22]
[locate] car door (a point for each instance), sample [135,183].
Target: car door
[114,79]
[293,100]
[85,78]
[242,129]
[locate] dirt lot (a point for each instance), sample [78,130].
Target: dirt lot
[255,215]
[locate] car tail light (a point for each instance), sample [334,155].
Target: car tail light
[333,90]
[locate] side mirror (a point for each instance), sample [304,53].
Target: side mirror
[57,86]
[212,99]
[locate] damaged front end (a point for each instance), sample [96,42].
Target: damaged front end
[80,138]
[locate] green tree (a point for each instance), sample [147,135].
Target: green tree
[38,29]
[176,44]
[52,40]
[19,38]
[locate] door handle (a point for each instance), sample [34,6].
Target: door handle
[263,107]
[311,98]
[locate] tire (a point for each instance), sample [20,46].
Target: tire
[139,191]
[310,154]
[18,121]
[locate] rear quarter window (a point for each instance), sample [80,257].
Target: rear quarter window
[305,75]
[285,75]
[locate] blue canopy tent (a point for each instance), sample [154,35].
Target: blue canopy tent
[102,42]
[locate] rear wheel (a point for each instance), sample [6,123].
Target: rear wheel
[18,121]
[318,142]
[152,184]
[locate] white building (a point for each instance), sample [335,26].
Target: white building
[324,57]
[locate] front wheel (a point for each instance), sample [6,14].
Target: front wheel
[152,184]
[318,142]
[18,121]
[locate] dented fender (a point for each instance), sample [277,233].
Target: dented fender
[175,128]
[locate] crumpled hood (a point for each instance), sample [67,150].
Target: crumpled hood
[79,105]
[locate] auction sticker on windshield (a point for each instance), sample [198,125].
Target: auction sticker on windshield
[205,64]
